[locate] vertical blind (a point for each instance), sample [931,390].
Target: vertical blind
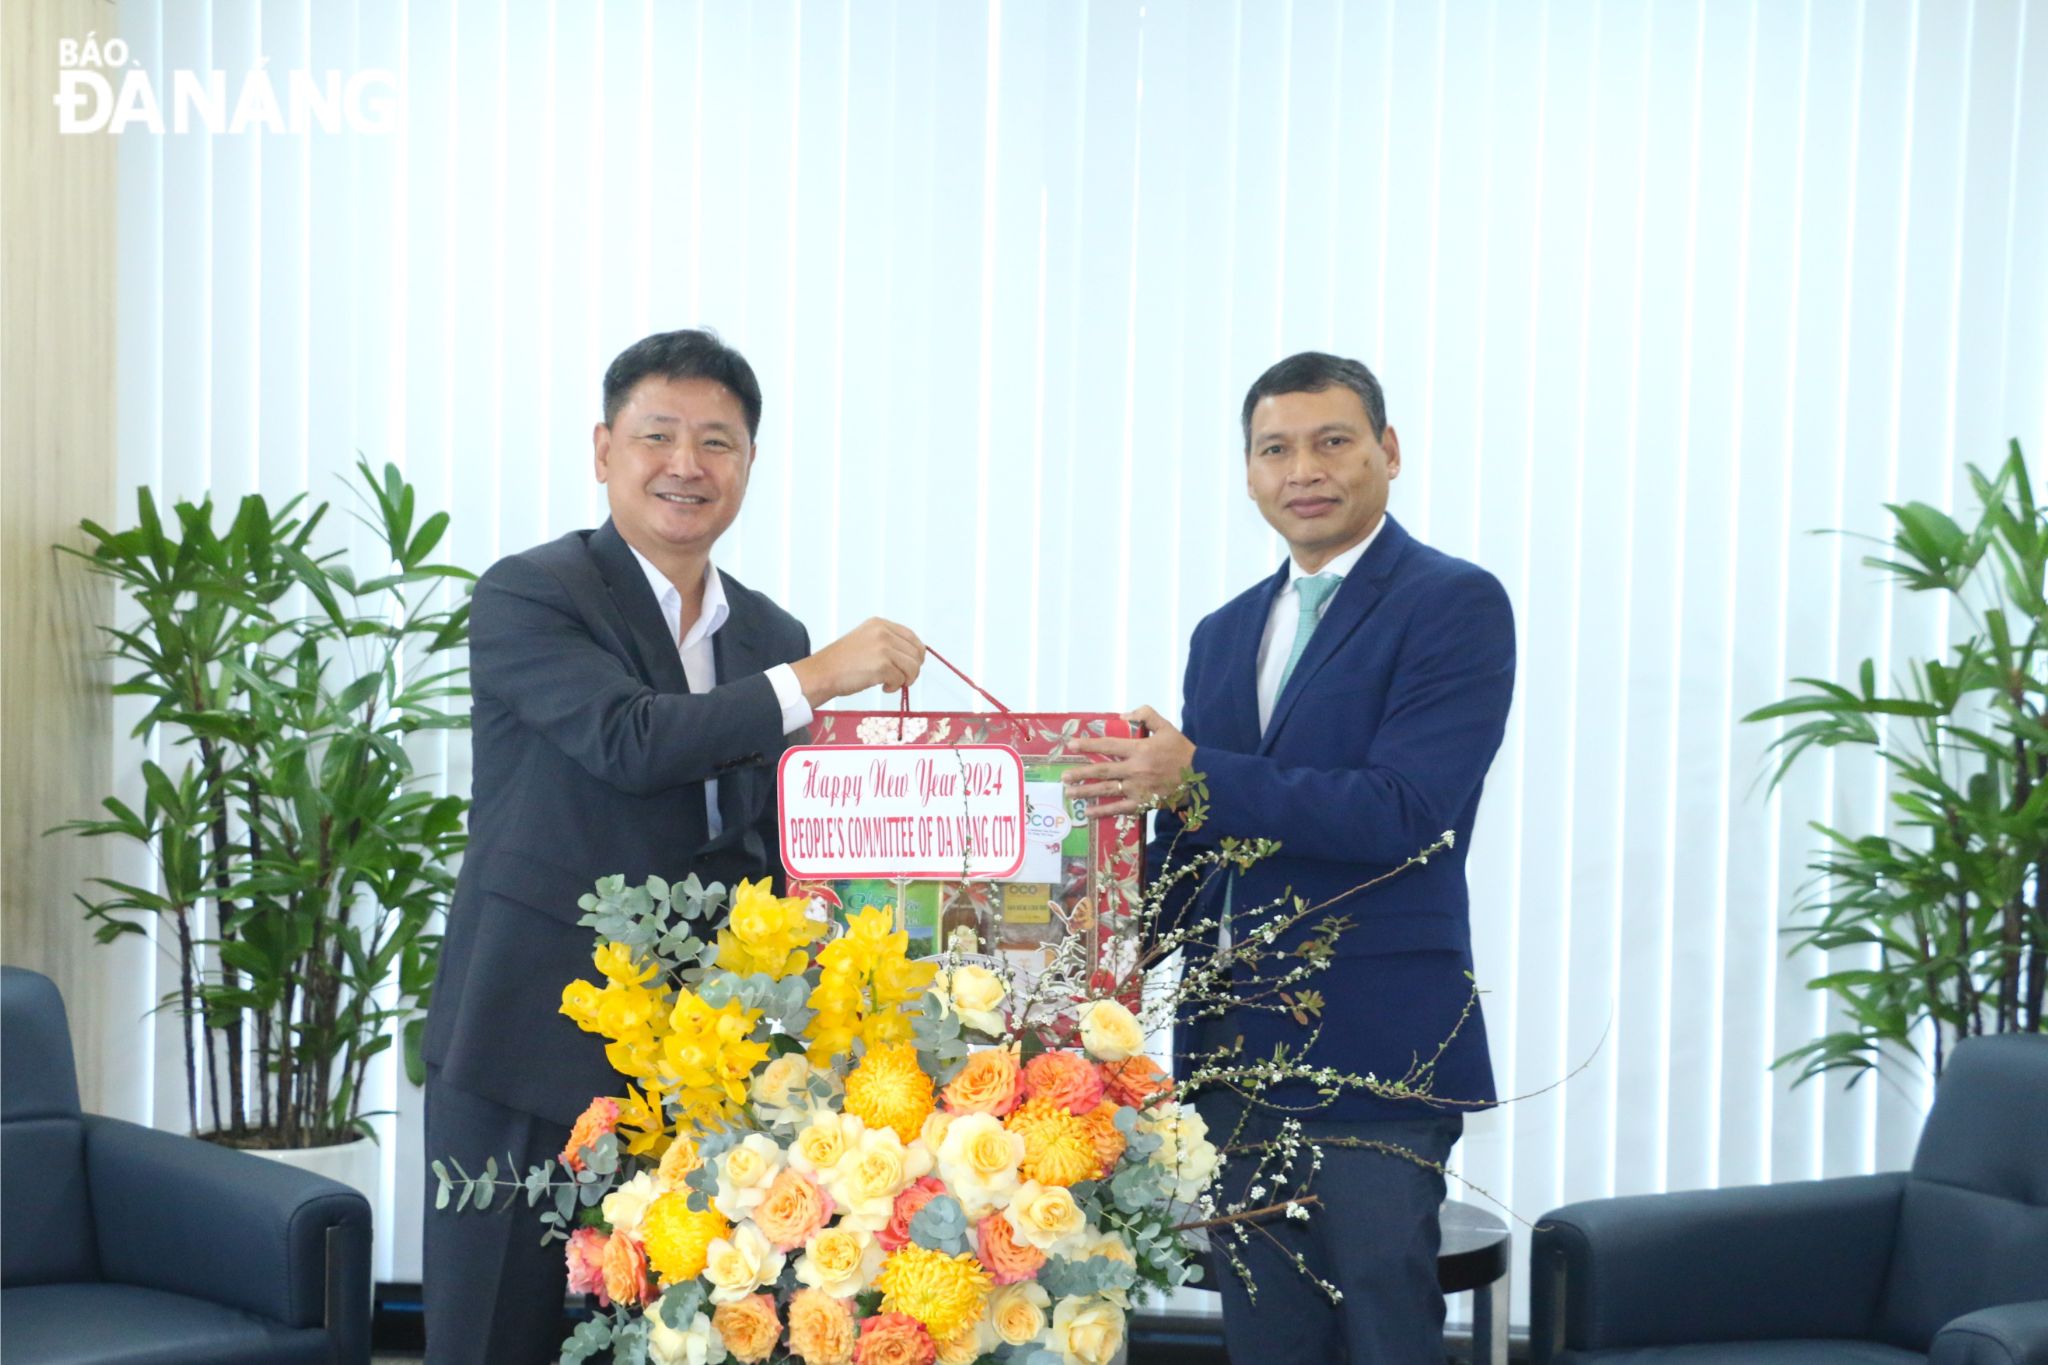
[1655,290]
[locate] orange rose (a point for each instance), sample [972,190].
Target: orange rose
[894,1339]
[1067,1079]
[593,1123]
[748,1327]
[625,1271]
[895,1235]
[1137,1081]
[988,1084]
[821,1328]
[1102,1131]
[1007,1259]
[793,1211]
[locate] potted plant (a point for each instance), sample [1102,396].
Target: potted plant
[1951,907]
[300,856]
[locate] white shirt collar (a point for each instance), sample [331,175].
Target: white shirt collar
[709,618]
[1340,566]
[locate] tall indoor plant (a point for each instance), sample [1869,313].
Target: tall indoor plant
[300,856]
[1952,906]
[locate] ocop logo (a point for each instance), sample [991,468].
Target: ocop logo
[99,91]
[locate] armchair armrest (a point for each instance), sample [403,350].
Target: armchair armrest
[1767,1261]
[2010,1334]
[178,1214]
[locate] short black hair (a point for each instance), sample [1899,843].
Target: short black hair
[690,354]
[1313,372]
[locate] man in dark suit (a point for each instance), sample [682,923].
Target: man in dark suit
[630,704]
[1348,707]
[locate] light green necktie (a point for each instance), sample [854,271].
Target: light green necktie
[1313,590]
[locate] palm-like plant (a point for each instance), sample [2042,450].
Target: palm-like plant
[300,857]
[1952,906]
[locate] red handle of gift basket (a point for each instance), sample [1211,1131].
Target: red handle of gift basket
[905,703]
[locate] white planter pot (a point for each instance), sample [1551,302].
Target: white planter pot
[354,1164]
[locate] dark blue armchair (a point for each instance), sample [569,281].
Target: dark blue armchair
[122,1243]
[1946,1263]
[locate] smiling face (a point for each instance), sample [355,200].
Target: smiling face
[1318,473]
[674,464]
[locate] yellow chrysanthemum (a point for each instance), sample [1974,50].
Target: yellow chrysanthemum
[709,1055]
[1059,1149]
[890,1090]
[765,933]
[678,1237]
[945,1293]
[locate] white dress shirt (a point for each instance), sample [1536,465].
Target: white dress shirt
[1278,641]
[700,663]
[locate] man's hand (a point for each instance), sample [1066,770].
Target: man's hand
[1135,771]
[875,651]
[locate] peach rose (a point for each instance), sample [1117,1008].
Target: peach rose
[625,1270]
[894,1339]
[793,1211]
[895,1235]
[1137,1080]
[678,1161]
[821,1328]
[586,1264]
[748,1327]
[1008,1260]
[593,1123]
[988,1084]
[1065,1078]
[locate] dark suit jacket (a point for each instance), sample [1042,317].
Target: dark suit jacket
[1377,745]
[590,755]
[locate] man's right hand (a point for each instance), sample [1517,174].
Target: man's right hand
[873,652]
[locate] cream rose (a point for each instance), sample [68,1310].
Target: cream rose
[744,1174]
[978,1161]
[934,1131]
[976,993]
[697,1344]
[741,1264]
[1109,1032]
[968,1346]
[1017,1312]
[1184,1149]
[782,1090]
[823,1143]
[1087,1331]
[1046,1217]
[840,1261]
[875,1169]
[1109,1246]
[625,1206]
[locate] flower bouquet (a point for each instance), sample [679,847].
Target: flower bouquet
[833,1154]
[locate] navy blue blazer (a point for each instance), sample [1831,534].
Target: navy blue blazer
[590,755]
[1378,744]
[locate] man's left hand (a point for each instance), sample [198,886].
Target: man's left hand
[1134,771]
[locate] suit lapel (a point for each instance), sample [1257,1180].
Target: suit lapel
[660,661]
[738,653]
[1361,591]
[1242,660]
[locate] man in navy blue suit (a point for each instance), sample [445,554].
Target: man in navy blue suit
[1348,706]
